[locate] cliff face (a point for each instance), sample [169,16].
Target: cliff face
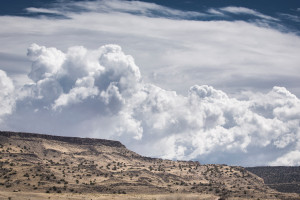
[73,140]
[54,164]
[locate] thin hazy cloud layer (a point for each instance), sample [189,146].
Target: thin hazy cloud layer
[101,93]
[174,49]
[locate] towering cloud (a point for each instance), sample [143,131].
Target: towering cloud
[100,93]
[6,95]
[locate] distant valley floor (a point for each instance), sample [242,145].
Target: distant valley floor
[282,179]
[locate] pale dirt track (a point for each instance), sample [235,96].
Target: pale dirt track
[67,196]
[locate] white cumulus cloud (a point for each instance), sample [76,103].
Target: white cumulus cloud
[101,93]
[75,88]
[7,100]
[290,159]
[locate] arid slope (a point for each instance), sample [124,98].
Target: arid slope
[45,164]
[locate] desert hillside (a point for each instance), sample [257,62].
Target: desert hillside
[36,164]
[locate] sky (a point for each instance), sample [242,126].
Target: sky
[213,81]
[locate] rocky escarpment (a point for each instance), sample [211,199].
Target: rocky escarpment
[73,140]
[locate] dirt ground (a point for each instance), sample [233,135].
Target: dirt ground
[69,196]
